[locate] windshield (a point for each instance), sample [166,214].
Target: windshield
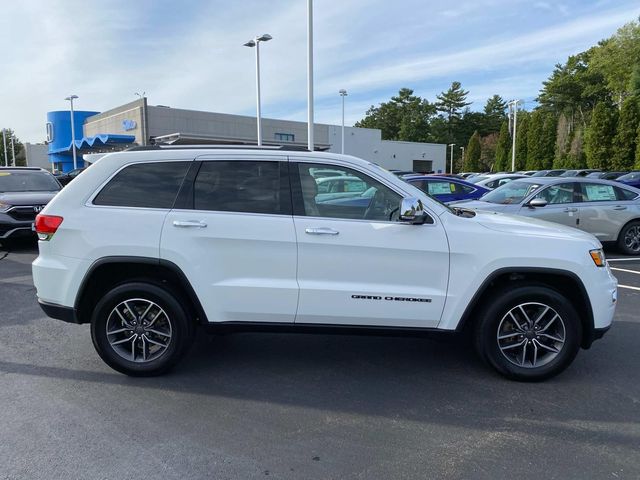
[569,173]
[27,181]
[541,173]
[477,178]
[629,176]
[512,192]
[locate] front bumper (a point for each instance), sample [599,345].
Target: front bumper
[10,227]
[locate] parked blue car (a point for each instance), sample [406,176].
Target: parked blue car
[632,179]
[447,189]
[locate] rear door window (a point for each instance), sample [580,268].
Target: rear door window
[598,192]
[243,186]
[146,185]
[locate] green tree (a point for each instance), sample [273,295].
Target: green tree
[535,141]
[494,114]
[502,148]
[18,149]
[636,165]
[473,153]
[616,57]
[451,103]
[624,141]
[599,135]
[549,131]
[521,139]
[405,117]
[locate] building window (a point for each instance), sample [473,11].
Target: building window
[285,137]
[49,132]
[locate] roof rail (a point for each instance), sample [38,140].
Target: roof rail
[221,146]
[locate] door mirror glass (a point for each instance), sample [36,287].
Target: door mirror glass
[538,202]
[412,211]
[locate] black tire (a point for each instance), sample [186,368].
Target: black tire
[623,245]
[175,322]
[494,318]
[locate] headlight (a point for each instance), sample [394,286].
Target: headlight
[4,207]
[598,257]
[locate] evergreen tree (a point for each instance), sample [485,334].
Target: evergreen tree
[548,141]
[473,153]
[451,103]
[624,142]
[599,135]
[494,114]
[521,139]
[535,141]
[502,148]
[18,149]
[636,165]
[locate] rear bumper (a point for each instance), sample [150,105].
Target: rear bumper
[59,312]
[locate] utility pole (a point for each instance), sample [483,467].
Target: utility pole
[4,140]
[452,145]
[462,148]
[13,151]
[310,144]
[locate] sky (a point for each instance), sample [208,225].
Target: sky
[190,53]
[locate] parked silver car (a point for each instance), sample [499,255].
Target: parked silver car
[606,209]
[495,180]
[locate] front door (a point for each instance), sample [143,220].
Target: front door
[233,237]
[357,264]
[562,205]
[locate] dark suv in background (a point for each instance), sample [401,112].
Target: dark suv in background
[24,191]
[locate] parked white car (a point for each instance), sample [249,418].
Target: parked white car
[148,244]
[495,180]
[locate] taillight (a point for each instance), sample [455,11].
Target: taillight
[47,225]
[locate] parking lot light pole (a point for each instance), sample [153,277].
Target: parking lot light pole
[256,43]
[13,152]
[451,145]
[70,99]
[514,103]
[310,142]
[343,93]
[4,140]
[462,148]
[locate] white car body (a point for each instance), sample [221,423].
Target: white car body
[263,268]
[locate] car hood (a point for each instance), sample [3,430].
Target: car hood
[26,198]
[519,225]
[480,205]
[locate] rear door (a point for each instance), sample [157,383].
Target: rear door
[562,204]
[232,235]
[605,209]
[357,264]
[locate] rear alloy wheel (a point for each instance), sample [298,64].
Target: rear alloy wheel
[529,332]
[140,329]
[629,239]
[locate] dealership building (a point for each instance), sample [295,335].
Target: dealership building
[138,123]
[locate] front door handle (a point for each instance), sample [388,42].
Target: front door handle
[189,224]
[619,207]
[570,210]
[321,231]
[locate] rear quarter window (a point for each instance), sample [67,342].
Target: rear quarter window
[144,185]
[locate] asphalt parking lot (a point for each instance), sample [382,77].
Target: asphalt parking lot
[306,407]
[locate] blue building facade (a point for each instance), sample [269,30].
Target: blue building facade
[59,139]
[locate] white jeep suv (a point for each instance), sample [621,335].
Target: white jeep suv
[149,244]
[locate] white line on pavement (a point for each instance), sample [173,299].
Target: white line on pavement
[625,270]
[630,288]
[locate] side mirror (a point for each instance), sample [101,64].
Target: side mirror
[537,202]
[412,211]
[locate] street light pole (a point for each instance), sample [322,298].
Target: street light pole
[4,140]
[256,43]
[71,98]
[13,151]
[462,148]
[452,145]
[513,139]
[343,93]
[310,143]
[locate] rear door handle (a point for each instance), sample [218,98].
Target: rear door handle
[189,224]
[321,231]
[619,207]
[570,209]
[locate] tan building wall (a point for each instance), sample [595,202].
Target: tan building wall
[128,119]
